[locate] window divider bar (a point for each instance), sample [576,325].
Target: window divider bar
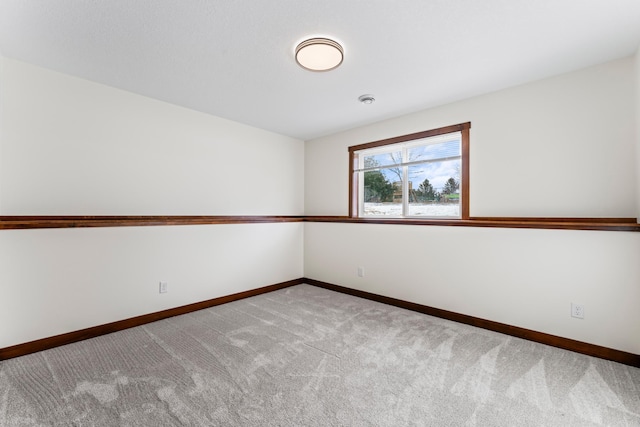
[415,162]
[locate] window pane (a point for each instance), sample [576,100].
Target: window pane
[412,175]
[383,159]
[448,148]
[434,189]
[383,192]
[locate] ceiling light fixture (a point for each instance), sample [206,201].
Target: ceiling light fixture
[319,54]
[366,99]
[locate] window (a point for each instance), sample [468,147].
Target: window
[421,175]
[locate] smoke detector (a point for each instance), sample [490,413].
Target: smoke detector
[366,99]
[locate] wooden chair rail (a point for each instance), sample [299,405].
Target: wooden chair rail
[35,222]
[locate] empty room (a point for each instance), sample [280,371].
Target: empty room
[329,213]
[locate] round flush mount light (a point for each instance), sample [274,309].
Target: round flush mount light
[366,99]
[319,54]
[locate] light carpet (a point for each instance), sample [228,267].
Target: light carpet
[306,356]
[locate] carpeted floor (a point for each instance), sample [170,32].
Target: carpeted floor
[305,356]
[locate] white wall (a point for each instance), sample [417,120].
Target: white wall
[2,61]
[566,146]
[525,278]
[72,147]
[62,280]
[638,134]
[557,147]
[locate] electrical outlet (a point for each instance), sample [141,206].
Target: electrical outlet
[360,271]
[577,311]
[163,288]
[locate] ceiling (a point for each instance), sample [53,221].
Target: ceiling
[234,58]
